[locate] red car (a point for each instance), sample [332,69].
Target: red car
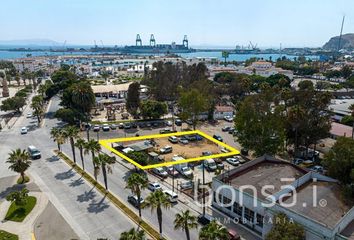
[233,235]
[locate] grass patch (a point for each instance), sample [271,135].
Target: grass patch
[126,210]
[19,180]
[7,236]
[18,213]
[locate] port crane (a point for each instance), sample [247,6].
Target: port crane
[152,40]
[138,41]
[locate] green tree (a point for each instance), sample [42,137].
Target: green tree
[58,136]
[340,160]
[192,103]
[104,75]
[185,221]
[157,200]
[306,85]
[136,183]
[72,133]
[133,234]
[260,124]
[133,98]
[151,109]
[285,229]
[67,115]
[18,197]
[37,105]
[19,161]
[103,162]
[213,231]
[138,157]
[80,144]
[13,104]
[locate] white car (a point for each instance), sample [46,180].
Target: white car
[29,115]
[173,139]
[173,197]
[233,161]
[154,186]
[160,172]
[228,118]
[24,130]
[105,127]
[169,123]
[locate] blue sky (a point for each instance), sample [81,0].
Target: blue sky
[206,22]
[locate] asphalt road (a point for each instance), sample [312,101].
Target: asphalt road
[85,209]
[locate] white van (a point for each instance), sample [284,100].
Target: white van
[173,197]
[210,164]
[34,152]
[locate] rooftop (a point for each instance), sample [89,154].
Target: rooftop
[266,173]
[331,213]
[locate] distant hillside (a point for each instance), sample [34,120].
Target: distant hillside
[347,42]
[29,42]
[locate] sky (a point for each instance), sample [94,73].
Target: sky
[267,23]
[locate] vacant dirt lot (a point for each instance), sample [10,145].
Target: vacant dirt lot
[190,150]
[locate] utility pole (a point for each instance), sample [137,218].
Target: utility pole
[203,189]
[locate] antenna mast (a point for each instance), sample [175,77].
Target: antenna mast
[341,31]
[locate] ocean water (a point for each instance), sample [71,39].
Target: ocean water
[232,57]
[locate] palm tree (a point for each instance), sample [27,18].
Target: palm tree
[103,161]
[58,136]
[18,197]
[136,183]
[19,162]
[71,133]
[37,106]
[213,231]
[185,221]
[133,234]
[80,144]
[94,147]
[351,108]
[157,200]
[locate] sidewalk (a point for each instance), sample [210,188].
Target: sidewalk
[23,229]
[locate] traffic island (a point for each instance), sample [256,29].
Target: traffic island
[7,236]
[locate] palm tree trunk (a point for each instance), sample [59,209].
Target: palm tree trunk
[73,148]
[23,177]
[159,219]
[139,205]
[104,175]
[82,159]
[187,233]
[59,147]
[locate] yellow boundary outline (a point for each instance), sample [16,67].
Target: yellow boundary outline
[106,143]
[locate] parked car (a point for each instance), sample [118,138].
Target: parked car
[171,171]
[183,140]
[148,125]
[298,161]
[169,123]
[186,185]
[121,125]
[153,186]
[233,235]
[231,130]
[160,172]
[134,125]
[96,128]
[113,126]
[167,130]
[24,130]
[244,151]
[166,149]
[178,122]
[219,163]
[206,153]
[155,124]
[225,128]
[233,161]
[142,125]
[172,196]
[210,165]
[29,115]
[127,126]
[239,158]
[317,168]
[228,118]
[134,200]
[205,219]
[173,139]
[105,127]
[217,137]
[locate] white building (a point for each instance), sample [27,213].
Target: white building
[223,111]
[323,215]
